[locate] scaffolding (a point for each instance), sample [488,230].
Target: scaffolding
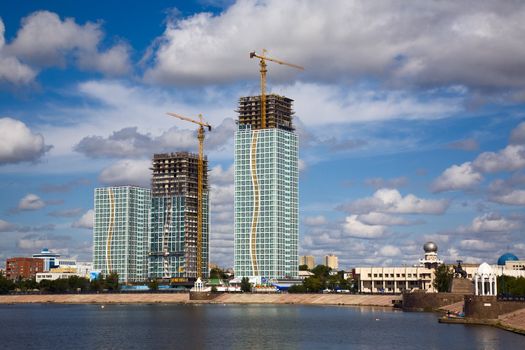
[279,112]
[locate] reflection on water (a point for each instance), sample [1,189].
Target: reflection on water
[237,327]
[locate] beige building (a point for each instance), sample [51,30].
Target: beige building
[307,260]
[331,261]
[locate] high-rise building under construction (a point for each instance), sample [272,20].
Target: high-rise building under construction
[173,224]
[266,190]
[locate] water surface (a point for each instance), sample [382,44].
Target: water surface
[51,326]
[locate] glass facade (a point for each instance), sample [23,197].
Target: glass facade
[173,239]
[120,232]
[266,203]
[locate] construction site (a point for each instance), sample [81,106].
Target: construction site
[174,252]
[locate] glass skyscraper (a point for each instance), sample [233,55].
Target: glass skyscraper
[266,191]
[120,232]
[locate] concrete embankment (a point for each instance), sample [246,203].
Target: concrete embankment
[183,298]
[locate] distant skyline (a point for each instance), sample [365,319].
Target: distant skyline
[410,118]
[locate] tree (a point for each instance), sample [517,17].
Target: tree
[321,271]
[218,273]
[297,288]
[246,285]
[111,281]
[153,284]
[303,267]
[313,284]
[5,284]
[443,278]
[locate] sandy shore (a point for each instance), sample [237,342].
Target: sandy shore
[183,298]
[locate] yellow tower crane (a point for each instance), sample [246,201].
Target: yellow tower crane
[262,63]
[200,180]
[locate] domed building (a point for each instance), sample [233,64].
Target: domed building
[430,260]
[502,261]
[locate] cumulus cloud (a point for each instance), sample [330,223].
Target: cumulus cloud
[491,222]
[514,197]
[389,250]
[457,177]
[127,172]
[359,38]
[18,143]
[31,202]
[219,176]
[355,228]
[129,143]
[374,218]
[517,136]
[391,201]
[11,69]
[45,40]
[86,221]
[510,158]
[35,242]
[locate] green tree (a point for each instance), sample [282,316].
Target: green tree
[111,282]
[313,284]
[5,285]
[443,278]
[153,284]
[218,273]
[321,271]
[246,285]
[511,286]
[303,267]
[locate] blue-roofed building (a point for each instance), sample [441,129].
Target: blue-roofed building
[506,257]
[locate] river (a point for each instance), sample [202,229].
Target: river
[208,326]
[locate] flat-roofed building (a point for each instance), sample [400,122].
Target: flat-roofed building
[21,267]
[307,260]
[331,261]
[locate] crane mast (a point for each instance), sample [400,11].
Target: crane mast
[262,63]
[200,183]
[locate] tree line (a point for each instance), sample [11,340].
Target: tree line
[71,284]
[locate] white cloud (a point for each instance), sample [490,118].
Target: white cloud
[86,221]
[18,143]
[6,226]
[358,38]
[46,40]
[315,220]
[31,202]
[475,244]
[391,201]
[510,158]
[389,250]
[514,197]
[491,223]
[219,176]
[127,172]
[374,218]
[457,177]
[355,228]
[379,182]
[517,136]
[11,69]
[465,145]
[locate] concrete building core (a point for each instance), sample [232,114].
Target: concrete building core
[279,112]
[173,232]
[266,191]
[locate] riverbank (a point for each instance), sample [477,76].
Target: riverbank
[183,298]
[512,321]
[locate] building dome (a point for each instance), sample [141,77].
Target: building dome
[484,269]
[430,247]
[506,257]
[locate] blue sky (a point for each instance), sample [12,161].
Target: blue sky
[410,117]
